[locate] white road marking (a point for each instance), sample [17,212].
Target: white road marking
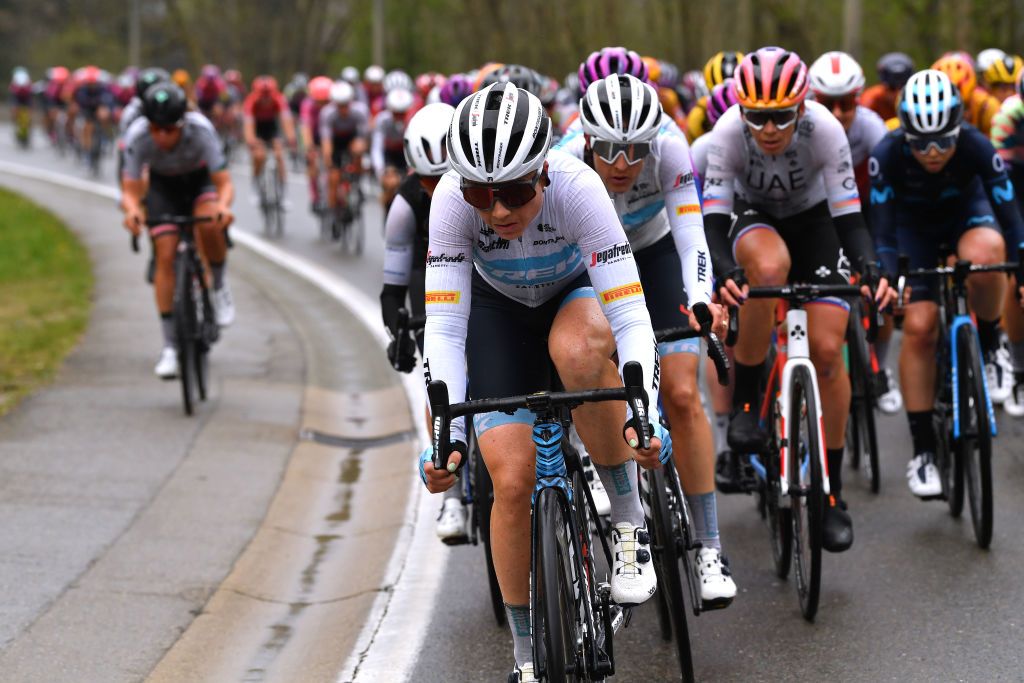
[393,635]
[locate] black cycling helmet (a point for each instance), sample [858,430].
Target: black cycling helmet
[164,104]
[522,77]
[894,68]
[151,76]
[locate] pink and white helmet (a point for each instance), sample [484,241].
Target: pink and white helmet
[771,78]
[608,61]
[835,74]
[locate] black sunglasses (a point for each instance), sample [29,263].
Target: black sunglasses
[511,195]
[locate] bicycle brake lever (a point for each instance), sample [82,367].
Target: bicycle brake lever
[437,395]
[636,397]
[733,332]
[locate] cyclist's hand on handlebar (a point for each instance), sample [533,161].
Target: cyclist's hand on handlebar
[734,288]
[720,320]
[649,458]
[134,219]
[439,481]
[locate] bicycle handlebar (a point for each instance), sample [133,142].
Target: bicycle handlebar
[177,220]
[442,412]
[716,351]
[803,292]
[959,270]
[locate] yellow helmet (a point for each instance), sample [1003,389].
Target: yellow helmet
[653,68]
[721,67]
[1004,70]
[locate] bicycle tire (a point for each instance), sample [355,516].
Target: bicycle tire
[598,643]
[552,590]
[203,341]
[483,501]
[974,447]
[779,519]
[806,483]
[862,403]
[185,332]
[666,547]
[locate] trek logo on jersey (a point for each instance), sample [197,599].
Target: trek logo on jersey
[442,297]
[612,254]
[623,292]
[702,266]
[444,259]
[684,209]
[683,179]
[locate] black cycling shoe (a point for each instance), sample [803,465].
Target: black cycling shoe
[837,529]
[745,434]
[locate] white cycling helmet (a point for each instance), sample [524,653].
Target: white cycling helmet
[399,101]
[424,139]
[835,74]
[350,74]
[987,58]
[621,108]
[342,92]
[373,74]
[498,135]
[930,104]
[398,80]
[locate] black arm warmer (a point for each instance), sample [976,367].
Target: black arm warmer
[855,238]
[392,298]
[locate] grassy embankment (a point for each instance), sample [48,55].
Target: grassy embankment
[45,290]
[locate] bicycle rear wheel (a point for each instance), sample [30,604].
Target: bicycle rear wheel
[666,546]
[974,447]
[483,500]
[806,491]
[552,608]
[185,331]
[861,432]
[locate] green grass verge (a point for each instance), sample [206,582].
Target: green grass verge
[45,291]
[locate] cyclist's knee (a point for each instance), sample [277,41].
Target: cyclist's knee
[681,397]
[919,329]
[767,270]
[982,245]
[581,354]
[827,354]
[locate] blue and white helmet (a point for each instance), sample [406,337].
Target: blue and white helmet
[499,134]
[930,104]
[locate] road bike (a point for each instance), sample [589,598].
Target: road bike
[865,388]
[572,617]
[195,325]
[270,189]
[964,420]
[347,219]
[668,517]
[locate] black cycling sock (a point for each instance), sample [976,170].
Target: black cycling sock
[835,470]
[922,430]
[217,270]
[988,335]
[167,327]
[748,384]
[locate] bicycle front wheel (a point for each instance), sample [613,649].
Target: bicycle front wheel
[185,331]
[778,518]
[806,491]
[666,546]
[553,608]
[974,447]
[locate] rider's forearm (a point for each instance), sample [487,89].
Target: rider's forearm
[225,188]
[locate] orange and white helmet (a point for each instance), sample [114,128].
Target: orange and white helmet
[957,65]
[771,78]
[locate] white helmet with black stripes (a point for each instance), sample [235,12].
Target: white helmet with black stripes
[498,135]
[621,108]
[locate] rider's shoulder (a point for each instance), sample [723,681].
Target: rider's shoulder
[137,131]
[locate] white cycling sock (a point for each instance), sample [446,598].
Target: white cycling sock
[720,429]
[518,618]
[620,483]
[704,510]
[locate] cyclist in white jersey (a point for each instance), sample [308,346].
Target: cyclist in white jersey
[836,79]
[517,237]
[781,205]
[625,136]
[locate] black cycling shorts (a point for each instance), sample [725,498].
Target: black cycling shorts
[177,196]
[507,346]
[268,130]
[340,155]
[662,278]
[920,234]
[815,252]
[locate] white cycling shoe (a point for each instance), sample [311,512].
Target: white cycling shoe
[223,306]
[633,579]
[523,674]
[451,525]
[167,366]
[923,476]
[1014,403]
[999,375]
[891,402]
[717,588]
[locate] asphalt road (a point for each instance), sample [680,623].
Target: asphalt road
[913,600]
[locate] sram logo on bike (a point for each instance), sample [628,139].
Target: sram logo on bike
[442,297]
[623,292]
[441,259]
[610,255]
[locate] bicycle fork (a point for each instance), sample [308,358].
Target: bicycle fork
[798,355]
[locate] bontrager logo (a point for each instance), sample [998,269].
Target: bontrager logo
[442,297]
[611,254]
